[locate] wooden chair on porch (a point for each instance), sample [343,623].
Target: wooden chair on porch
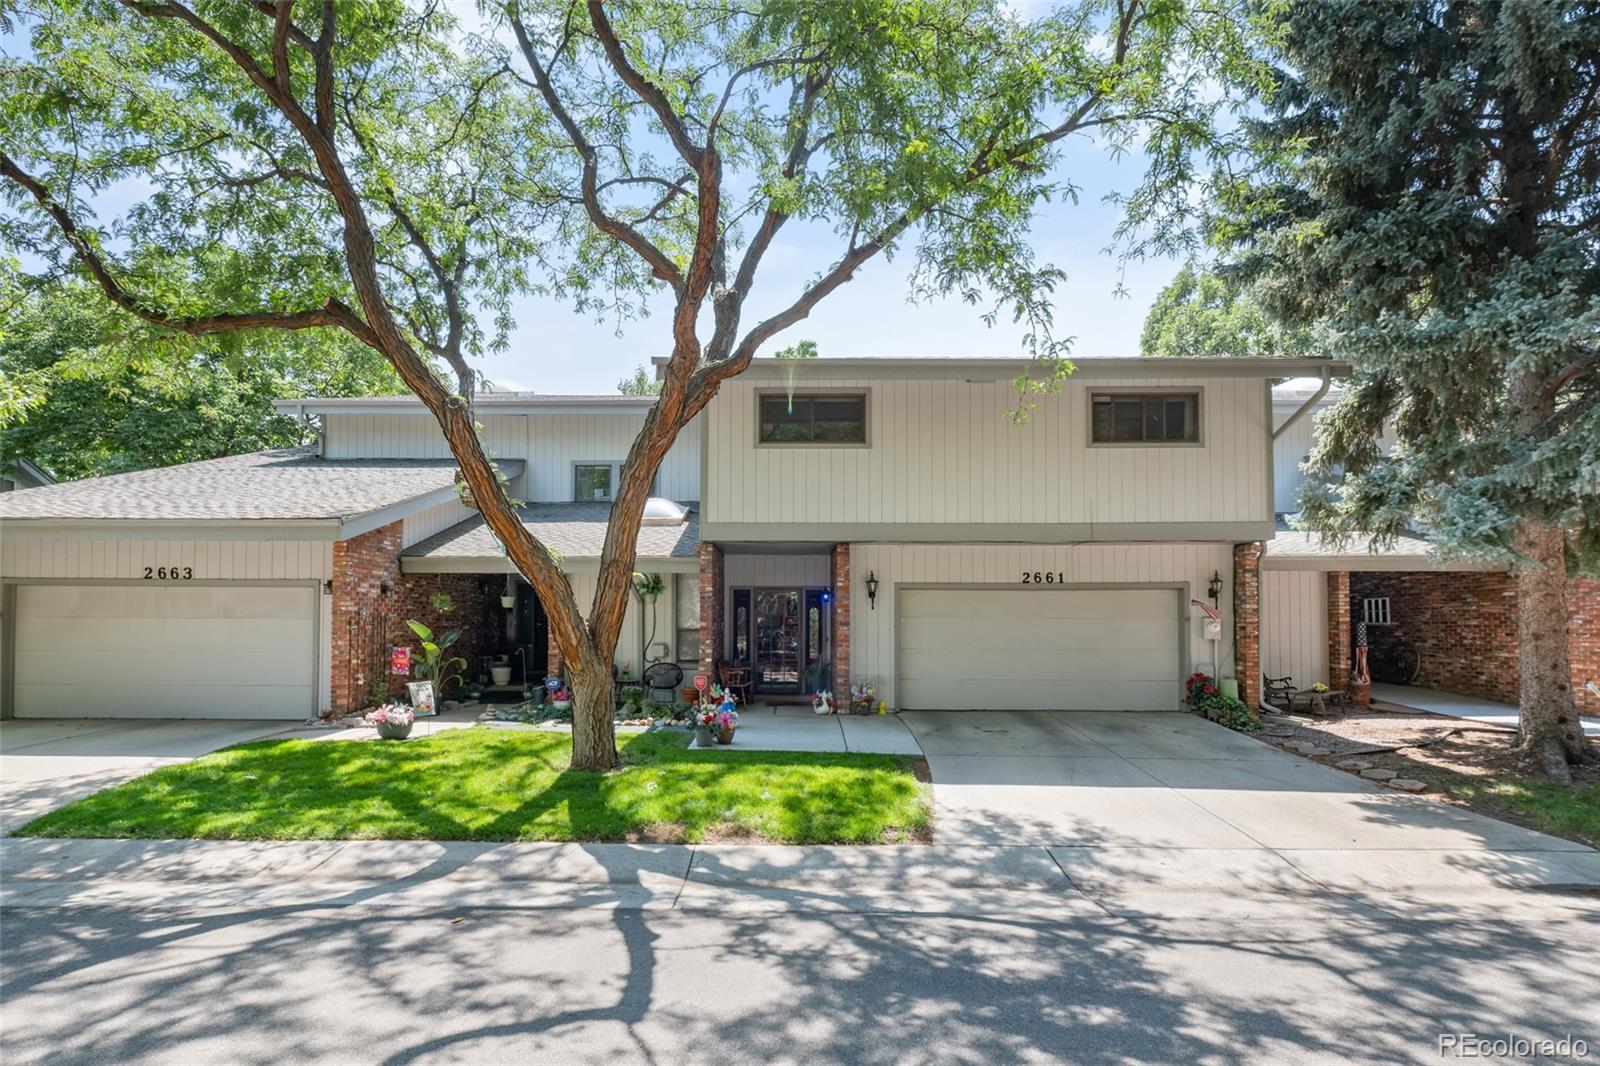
[735,679]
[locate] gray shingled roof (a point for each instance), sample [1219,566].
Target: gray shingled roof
[1301,544]
[287,484]
[575,530]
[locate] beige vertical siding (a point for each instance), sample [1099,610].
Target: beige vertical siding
[1288,452]
[872,630]
[945,451]
[425,524]
[550,443]
[630,645]
[1294,625]
[105,558]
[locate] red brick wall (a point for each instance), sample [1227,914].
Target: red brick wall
[372,600]
[1583,636]
[1463,626]
[1340,655]
[1247,621]
[366,573]
[711,619]
[841,622]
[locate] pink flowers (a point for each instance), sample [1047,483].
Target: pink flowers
[392,713]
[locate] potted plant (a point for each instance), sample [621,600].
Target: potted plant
[561,699]
[863,697]
[727,722]
[705,720]
[393,721]
[435,665]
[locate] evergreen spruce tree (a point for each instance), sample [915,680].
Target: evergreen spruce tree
[1428,191]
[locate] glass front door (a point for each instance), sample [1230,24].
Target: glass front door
[777,639]
[782,636]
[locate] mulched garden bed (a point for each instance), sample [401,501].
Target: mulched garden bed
[1467,764]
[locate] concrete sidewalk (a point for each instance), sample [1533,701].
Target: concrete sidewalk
[1467,708]
[1321,884]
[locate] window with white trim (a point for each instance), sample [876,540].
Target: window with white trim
[1375,611]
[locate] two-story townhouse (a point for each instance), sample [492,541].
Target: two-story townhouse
[822,521]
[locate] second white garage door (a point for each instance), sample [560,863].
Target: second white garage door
[165,651]
[1039,649]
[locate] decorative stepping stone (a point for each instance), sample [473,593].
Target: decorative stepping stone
[1409,784]
[1378,773]
[1305,747]
[1353,764]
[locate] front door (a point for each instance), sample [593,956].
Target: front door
[778,639]
[781,635]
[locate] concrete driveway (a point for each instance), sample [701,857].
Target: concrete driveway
[1147,799]
[46,763]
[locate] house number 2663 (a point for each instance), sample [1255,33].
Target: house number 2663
[1043,577]
[168,573]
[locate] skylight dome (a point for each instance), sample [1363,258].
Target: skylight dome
[659,511]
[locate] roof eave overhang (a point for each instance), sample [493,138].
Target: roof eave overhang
[1009,369]
[1366,563]
[499,564]
[361,405]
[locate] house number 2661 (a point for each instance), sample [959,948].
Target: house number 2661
[1043,577]
[168,573]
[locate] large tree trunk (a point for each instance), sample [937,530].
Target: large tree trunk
[1549,727]
[594,740]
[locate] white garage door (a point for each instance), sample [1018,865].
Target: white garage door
[1025,649]
[164,651]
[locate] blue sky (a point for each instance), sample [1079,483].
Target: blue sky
[555,349]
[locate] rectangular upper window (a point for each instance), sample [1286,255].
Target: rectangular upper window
[593,481]
[814,418]
[1144,417]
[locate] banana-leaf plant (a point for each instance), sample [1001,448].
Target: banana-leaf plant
[435,665]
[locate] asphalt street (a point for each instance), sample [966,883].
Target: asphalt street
[489,982]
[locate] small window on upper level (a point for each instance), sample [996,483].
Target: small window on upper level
[812,418]
[593,481]
[1144,417]
[1375,611]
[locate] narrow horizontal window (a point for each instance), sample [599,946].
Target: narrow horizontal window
[820,418]
[1144,418]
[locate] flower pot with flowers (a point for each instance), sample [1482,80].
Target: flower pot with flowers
[561,699]
[705,722]
[727,718]
[393,721]
[863,697]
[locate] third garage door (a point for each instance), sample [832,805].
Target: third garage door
[1039,649]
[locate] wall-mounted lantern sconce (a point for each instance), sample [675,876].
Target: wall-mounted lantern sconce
[327,588]
[872,590]
[1215,588]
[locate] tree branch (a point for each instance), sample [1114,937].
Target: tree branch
[331,313]
[661,265]
[643,87]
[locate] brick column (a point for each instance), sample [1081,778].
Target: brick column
[366,573]
[552,652]
[711,601]
[1247,621]
[1340,639]
[841,622]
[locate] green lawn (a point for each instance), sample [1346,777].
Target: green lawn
[507,784]
[1571,811]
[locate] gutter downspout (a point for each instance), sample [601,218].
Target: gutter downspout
[1322,390]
